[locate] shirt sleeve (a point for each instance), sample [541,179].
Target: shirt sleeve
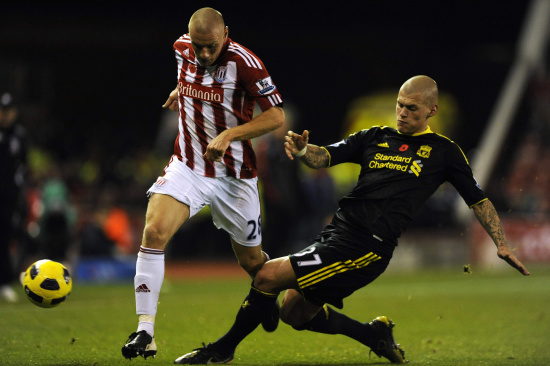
[258,83]
[460,175]
[349,150]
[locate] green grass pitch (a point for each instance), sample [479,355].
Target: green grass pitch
[487,317]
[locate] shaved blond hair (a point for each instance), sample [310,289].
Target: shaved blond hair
[424,85]
[206,20]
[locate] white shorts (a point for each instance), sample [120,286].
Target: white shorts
[234,203]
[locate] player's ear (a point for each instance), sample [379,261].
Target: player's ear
[433,110]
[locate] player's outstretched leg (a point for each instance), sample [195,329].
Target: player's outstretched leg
[139,344]
[386,346]
[250,315]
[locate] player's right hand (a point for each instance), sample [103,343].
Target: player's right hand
[295,143]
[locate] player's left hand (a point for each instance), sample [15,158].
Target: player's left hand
[505,253]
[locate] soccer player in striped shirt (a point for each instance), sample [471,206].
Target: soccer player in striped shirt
[219,83]
[400,169]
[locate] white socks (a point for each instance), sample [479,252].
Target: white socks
[148,281]
[147,323]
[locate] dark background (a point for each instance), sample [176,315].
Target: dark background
[101,71]
[90,79]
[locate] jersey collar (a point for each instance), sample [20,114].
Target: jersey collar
[427,130]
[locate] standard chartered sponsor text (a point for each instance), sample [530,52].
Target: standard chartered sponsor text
[382,161]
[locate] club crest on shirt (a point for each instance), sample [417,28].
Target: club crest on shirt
[219,75]
[265,86]
[424,151]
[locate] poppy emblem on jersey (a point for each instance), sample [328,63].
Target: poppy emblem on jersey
[219,75]
[424,151]
[192,68]
[404,147]
[265,86]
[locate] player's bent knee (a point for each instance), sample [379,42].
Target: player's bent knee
[154,238]
[264,280]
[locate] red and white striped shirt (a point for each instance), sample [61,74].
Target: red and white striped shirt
[215,98]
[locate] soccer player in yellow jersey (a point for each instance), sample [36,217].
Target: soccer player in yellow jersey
[400,169]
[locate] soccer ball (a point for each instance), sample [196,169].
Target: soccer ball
[47,283]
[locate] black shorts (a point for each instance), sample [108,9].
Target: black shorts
[334,267]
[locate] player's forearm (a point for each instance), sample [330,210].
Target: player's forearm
[267,121]
[487,216]
[315,157]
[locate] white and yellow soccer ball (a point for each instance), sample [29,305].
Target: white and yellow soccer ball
[47,283]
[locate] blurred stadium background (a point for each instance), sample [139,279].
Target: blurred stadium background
[89,80]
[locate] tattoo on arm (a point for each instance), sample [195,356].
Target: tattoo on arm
[315,157]
[488,218]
